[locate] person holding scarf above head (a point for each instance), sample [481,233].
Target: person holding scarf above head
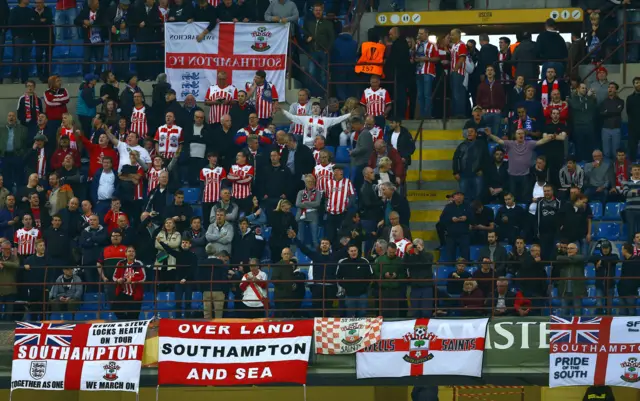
[315,125]
[30,106]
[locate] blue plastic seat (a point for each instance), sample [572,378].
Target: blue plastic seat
[613,210]
[590,274]
[266,233]
[166,300]
[492,147]
[91,301]
[145,315]
[108,316]
[525,206]
[331,149]
[442,274]
[86,316]
[495,209]
[508,248]
[474,253]
[61,316]
[148,300]
[166,314]
[596,209]
[191,195]
[342,155]
[471,269]
[610,231]
[197,211]
[196,301]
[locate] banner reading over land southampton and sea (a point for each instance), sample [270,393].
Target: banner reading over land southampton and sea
[239,49]
[91,357]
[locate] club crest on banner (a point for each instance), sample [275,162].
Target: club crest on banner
[111,371]
[631,372]
[261,37]
[38,369]
[419,345]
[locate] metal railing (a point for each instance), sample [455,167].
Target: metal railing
[378,295]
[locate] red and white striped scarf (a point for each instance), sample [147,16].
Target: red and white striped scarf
[27,106]
[545,91]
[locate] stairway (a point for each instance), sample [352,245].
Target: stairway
[427,190]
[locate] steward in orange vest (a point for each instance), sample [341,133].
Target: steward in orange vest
[371,58]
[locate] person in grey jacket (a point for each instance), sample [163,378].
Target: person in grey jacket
[598,176]
[583,109]
[220,233]
[66,293]
[362,152]
[282,11]
[308,203]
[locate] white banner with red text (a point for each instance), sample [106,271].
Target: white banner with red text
[226,354]
[424,347]
[588,351]
[239,49]
[86,356]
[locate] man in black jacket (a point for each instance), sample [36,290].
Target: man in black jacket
[399,203]
[633,111]
[215,275]
[551,47]
[534,280]
[275,184]
[93,22]
[187,263]
[181,115]
[488,55]
[495,253]
[254,10]
[455,218]
[400,138]
[228,11]
[496,179]
[148,29]
[44,37]
[22,15]
[503,300]
[469,163]
[369,203]
[181,11]
[511,219]
[58,245]
[205,12]
[355,292]
[240,112]
[419,269]
[179,211]
[547,219]
[299,164]
[398,67]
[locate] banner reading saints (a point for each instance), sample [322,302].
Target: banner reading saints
[238,49]
[345,336]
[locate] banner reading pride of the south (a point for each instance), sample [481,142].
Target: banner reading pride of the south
[87,356]
[587,351]
[239,49]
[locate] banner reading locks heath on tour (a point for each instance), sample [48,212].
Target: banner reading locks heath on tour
[92,357]
[238,49]
[205,354]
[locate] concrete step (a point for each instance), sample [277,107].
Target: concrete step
[426,235]
[438,134]
[432,154]
[452,124]
[428,196]
[431,175]
[447,186]
[424,216]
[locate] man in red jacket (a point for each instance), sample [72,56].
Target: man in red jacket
[60,153]
[492,99]
[98,151]
[381,150]
[56,99]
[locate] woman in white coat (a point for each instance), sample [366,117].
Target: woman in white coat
[315,124]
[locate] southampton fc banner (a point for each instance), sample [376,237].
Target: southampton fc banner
[587,351]
[345,336]
[239,49]
[425,347]
[91,357]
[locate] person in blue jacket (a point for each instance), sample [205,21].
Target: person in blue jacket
[87,101]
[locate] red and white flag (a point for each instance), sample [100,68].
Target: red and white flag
[240,49]
[345,336]
[425,347]
[600,351]
[89,357]
[227,354]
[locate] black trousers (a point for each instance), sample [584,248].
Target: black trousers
[333,225]
[319,307]
[126,308]
[43,53]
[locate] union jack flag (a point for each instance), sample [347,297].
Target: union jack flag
[58,334]
[576,330]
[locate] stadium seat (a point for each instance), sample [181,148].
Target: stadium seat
[474,254]
[471,269]
[555,301]
[147,300]
[166,315]
[613,210]
[331,149]
[589,302]
[492,147]
[610,231]
[91,301]
[596,209]
[191,195]
[342,155]
[525,206]
[196,301]
[624,234]
[442,274]
[508,248]
[61,316]
[108,316]
[495,209]
[86,316]
[145,315]
[166,301]
[590,274]
[266,234]
[197,210]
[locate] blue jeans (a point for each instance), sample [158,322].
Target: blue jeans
[494,120]
[520,187]
[458,95]
[471,186]
[302,230]
[559,67]
[424,82]
[584,139]
[422,301]
[65,17]
[569,300]
[318,73]
[356,306]
[633,49]
[21,54]
[610,142]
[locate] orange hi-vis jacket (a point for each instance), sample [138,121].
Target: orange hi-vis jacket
[372,59]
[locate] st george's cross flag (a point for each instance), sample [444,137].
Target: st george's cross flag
[425,347]
[587,351]
[84,356]
[239,49]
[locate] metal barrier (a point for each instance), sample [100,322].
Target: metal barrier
[375,299]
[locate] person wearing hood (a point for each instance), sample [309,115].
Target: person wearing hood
[126,96]
[92,240]
[523,57]
[344,51]
[158,98]
[605,267]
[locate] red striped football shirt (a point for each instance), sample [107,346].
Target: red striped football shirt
[323,175]
[241,178]
[401,246]
[301,110]
[68,132]
[457,50]
[139,122]
[139,189]
[212,178]
[25,240]
[265,108]
[338,193]
[153,176]
[169,138]
[376,101]
[426,49]
[216,93]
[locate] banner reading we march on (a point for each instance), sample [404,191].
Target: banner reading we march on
[87,356]
[224,354]
[239,49]
[587,351]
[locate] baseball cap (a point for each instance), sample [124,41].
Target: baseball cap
[90,77]
[171,92]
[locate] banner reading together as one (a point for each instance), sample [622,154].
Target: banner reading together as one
[87,356]
[238,49]
[205,354]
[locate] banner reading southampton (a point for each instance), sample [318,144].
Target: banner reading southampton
[205,354]
[92,357]
[425,347]
[345,336]
[239,49]
[587,351]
